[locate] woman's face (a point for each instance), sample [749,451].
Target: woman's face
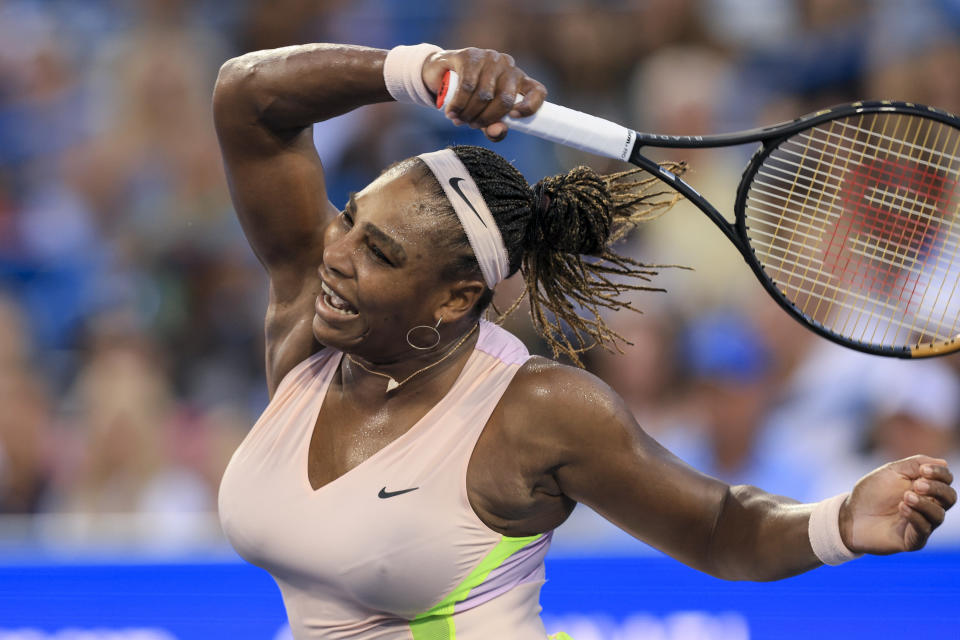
[380,271]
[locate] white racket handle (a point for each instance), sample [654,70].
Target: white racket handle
[564,126]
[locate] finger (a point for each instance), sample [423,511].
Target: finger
[469,72]
[534,94]
[506,96]
[929,508]
[496,131]
[912,467]
[918,528]
[936,471]
[939,491]
[482,96]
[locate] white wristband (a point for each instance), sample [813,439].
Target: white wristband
[824,532]
[402,73]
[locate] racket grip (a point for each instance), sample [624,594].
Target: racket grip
[564,126]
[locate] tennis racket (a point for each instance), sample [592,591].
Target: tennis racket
[847,216]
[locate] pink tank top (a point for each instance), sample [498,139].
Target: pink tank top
[392,549]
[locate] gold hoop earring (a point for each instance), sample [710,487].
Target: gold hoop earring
[426,327]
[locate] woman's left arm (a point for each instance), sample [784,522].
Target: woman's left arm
[603,459]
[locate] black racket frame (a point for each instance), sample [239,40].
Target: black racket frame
[771,137]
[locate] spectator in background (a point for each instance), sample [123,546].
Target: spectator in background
[25,421]
[41,92]
[591,51]
[121,406]
[730,393]
[153,175]
[24,441]
[912,406]
[810,52]
[648,374]
[681,90]
[152,171]
[913,53]
[122,420]
[43,114]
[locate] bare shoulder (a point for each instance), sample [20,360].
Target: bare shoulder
[556,389]
[542,424]
[567,402]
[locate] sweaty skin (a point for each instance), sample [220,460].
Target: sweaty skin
[559,435]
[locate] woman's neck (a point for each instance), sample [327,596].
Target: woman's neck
[414,369]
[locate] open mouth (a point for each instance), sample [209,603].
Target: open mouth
[335,302]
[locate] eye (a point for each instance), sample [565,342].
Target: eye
[346,219]
[380,255]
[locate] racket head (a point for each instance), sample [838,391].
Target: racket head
[853,225]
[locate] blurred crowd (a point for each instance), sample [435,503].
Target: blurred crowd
[131,308]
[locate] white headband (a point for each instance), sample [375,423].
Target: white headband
[481,228]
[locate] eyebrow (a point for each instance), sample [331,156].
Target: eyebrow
[378,234]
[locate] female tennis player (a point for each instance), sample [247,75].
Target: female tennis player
[414,459]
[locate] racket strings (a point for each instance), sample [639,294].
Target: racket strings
[822,187]
[930,188]
[941,267]
[869,251]
[854,221]
[842,140]
[813,233]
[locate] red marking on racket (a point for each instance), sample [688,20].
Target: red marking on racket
[874,194]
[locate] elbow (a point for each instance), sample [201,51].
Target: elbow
[236,72]
[749,572]
[235,90]
[726,558]
[737,549]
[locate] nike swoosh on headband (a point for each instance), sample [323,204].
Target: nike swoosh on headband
[477,220]
[455,184]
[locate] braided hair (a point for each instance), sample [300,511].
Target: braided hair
[558,233]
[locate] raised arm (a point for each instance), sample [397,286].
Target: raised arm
[264,105]
[266,101]
[602,458]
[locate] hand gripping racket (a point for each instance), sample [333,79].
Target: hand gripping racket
[847,216]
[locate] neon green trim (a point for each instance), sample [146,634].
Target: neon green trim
[437,623]
[560,635]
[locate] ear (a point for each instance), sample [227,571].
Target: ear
[460,299]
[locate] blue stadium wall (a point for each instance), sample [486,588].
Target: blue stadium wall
[615,598]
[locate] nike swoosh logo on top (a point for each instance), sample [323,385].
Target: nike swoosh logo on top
[455,183]
[389,494]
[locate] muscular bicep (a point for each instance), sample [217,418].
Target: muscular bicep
[610,464]
[281,201]
[277,186]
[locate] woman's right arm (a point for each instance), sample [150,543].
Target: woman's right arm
[264,105]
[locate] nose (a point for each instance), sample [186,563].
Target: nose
[338,251]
